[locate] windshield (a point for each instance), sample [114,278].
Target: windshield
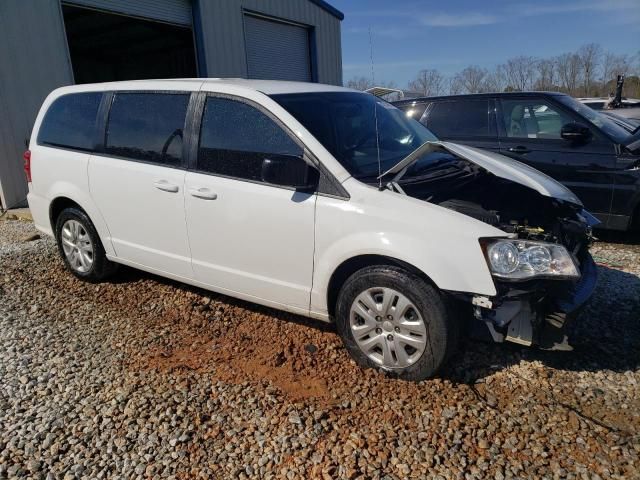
[345,124]
[607,125]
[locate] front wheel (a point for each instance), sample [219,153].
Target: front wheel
[393,320]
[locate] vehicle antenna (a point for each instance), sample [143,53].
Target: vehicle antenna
[375,112]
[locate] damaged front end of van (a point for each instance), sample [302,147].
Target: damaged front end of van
[542,269]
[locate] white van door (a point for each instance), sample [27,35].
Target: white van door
[138,182]
[248,238]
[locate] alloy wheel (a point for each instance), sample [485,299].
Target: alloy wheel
[77,246]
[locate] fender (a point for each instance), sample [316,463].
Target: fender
[400,227]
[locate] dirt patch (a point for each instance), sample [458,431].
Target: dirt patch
[225,360]
[254,350]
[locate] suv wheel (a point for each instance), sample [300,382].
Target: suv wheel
[395,321]
[80,246]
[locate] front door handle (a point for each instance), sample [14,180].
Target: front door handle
[519,149]
[203,192]
[165,186]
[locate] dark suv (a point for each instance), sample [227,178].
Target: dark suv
[587,151]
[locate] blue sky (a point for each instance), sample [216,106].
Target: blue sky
[409,35]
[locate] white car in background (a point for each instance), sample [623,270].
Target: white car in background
[314,199]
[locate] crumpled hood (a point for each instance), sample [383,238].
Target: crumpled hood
[499,165]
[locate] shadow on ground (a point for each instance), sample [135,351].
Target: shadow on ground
[605,337]
[622,238]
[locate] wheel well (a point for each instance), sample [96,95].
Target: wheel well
[57,206]
[352,265]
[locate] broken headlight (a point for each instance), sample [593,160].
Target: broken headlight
[522,259]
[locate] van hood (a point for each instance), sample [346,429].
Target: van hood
[499,165]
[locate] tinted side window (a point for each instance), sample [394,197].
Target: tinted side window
[236,137]
[532,118]
[70,121]
[147,126]
[459,118]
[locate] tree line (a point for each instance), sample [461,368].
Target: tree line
[590,71]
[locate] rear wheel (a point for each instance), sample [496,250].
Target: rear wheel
[80,246]
[393,320]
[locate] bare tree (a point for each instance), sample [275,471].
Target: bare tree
[547,77]
[455,85]
[568,67]
[614,65]
[429,82]
[521,72]
[587,71]
[359,83]
[589,56]
[496,80]
[470,80]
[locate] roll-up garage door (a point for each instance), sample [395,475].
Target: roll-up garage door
[277,50]
[170,11]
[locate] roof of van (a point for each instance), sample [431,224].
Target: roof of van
[277,86]
[269,87]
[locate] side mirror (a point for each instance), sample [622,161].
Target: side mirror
[289,171]
[575,132]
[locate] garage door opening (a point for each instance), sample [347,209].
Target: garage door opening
[106,47]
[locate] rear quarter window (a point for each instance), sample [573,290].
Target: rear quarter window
[70,121]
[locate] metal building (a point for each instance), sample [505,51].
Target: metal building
[45,44]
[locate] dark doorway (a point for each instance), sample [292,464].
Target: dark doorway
[106,47]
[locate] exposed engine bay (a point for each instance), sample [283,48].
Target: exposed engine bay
[535,311]
[459,185]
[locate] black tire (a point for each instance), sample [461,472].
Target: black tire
[101,268]
[441,324]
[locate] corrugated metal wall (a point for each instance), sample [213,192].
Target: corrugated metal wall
[223,35]
[33,61]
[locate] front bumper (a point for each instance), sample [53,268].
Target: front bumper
[538,313]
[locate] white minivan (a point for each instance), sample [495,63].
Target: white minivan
[314,199]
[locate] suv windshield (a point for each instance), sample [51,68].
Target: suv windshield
[345,124]
[607,125]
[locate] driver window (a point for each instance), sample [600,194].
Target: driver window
[236,137]
[147,127]
[532,119]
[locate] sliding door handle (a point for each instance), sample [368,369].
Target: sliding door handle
[165,186]
[203,192]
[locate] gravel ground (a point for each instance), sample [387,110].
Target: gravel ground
[146,378]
